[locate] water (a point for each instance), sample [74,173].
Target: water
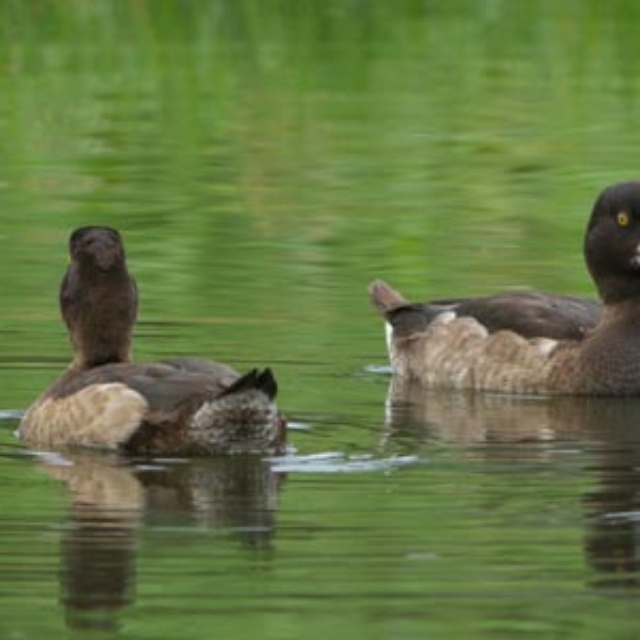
[263,164]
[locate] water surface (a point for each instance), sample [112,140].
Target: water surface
[263,164]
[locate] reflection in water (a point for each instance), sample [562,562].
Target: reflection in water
[110,501]
[611,427]
[98,548]
[613,506]
[236,493]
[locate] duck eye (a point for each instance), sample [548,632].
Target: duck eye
[623,219]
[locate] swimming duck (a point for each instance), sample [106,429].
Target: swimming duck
[183,406]
[533,342]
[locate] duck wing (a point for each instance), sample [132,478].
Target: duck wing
[530,314]
[164,385]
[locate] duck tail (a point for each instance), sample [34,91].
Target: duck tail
[384,297]
[243,419]
[404,317]
[263,381]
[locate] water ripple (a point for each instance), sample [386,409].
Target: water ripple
[335,462]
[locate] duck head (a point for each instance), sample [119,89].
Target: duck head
[612,243]
[98,298]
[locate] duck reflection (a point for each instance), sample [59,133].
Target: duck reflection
[111,500]
[236,493]
[610,428]
[613,506]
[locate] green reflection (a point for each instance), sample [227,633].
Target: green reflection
[264,161]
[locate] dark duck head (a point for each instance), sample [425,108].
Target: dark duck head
[98,298]
[612,243]
[533,342]
[183,406]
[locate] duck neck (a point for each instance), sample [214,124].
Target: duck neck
[100,314]
[89,352]
[625,312]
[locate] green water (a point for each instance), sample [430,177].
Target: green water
[264,161]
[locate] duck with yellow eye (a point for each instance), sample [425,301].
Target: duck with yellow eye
[181,406]
[623,219]
[532,342]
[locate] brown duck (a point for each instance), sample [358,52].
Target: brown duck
[184,406]
[534,342]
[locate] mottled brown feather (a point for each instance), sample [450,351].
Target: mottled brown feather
[98,415]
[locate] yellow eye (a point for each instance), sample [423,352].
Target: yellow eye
[623,219]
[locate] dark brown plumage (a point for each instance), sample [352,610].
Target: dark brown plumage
[186,406]
[529,342]
[531,314]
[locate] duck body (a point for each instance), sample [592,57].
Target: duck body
[530,342]
[183,406]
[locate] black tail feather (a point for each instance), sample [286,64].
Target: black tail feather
[264,381]
[411,318]
[267,383]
